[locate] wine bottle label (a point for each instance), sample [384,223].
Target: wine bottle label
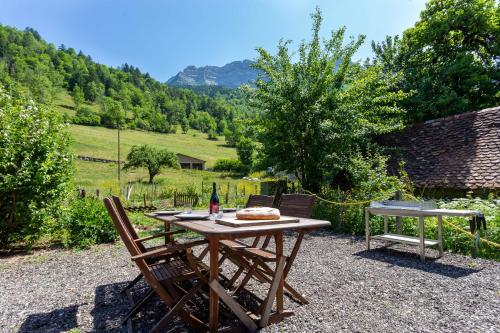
[214,207]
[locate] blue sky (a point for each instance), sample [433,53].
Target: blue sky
[163,37]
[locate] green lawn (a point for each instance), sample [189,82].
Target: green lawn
[102,142]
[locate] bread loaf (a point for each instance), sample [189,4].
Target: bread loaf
[258,213]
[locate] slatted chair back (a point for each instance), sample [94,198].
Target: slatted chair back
[123,231]
[126,221]
[134,251]
[298,205]
[258,200]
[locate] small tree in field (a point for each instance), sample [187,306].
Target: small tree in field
[153,159]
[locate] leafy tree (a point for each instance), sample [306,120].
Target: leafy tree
[246,151]
[185,125]
[85,116]
[449,59]
[318,110]
[113,113]
[78,96]
[35,168]
[153,159]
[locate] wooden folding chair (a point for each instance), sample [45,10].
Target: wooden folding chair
[255,260]
[254,200]
[140,241]
[163,270]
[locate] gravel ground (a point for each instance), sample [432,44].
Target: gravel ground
[349,289]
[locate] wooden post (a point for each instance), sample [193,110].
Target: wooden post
[144,196]
[214,274]
[421,228]
[440,234]
[367,228]
[386,225]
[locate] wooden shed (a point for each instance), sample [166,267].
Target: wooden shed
[188,162]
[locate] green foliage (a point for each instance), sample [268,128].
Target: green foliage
[43,70]
[78,96]
[320,109]
[449,59]
[112,112]
[86,223]
[459,242]
[245,149]
[228,164]
[212,135]
[35,168]
[152,158]
[85,116]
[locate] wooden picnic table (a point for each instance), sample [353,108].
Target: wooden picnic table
[215,232]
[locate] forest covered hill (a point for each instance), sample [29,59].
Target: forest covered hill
[107,96]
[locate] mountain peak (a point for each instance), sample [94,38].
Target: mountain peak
[231,75]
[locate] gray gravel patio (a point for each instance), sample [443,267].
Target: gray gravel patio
[351,290]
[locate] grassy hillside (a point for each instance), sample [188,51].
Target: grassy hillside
[102,142]
[64,103]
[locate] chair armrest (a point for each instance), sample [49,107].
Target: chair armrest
[166,233]
[168,249]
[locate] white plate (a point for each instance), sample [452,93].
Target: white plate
[192,216]
[167,212]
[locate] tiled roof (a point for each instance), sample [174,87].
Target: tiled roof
[456,152]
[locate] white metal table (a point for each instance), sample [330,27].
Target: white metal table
[421,241]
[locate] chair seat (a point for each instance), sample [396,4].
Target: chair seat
[263,254]
[171,271]
[233,244]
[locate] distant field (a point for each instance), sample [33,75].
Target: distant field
[102,142]
[103,176]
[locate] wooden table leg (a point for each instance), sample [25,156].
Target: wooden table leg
[421,228]
[166,227]
[440,235]
[278,238]
[367,228]
[214,274]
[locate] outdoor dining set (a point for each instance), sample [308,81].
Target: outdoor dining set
[180,272]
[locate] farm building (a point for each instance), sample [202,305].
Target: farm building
[453,155]
[188,162]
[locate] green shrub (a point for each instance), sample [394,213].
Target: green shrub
[86,223]
[35,168]
[228,164]
[85,116]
